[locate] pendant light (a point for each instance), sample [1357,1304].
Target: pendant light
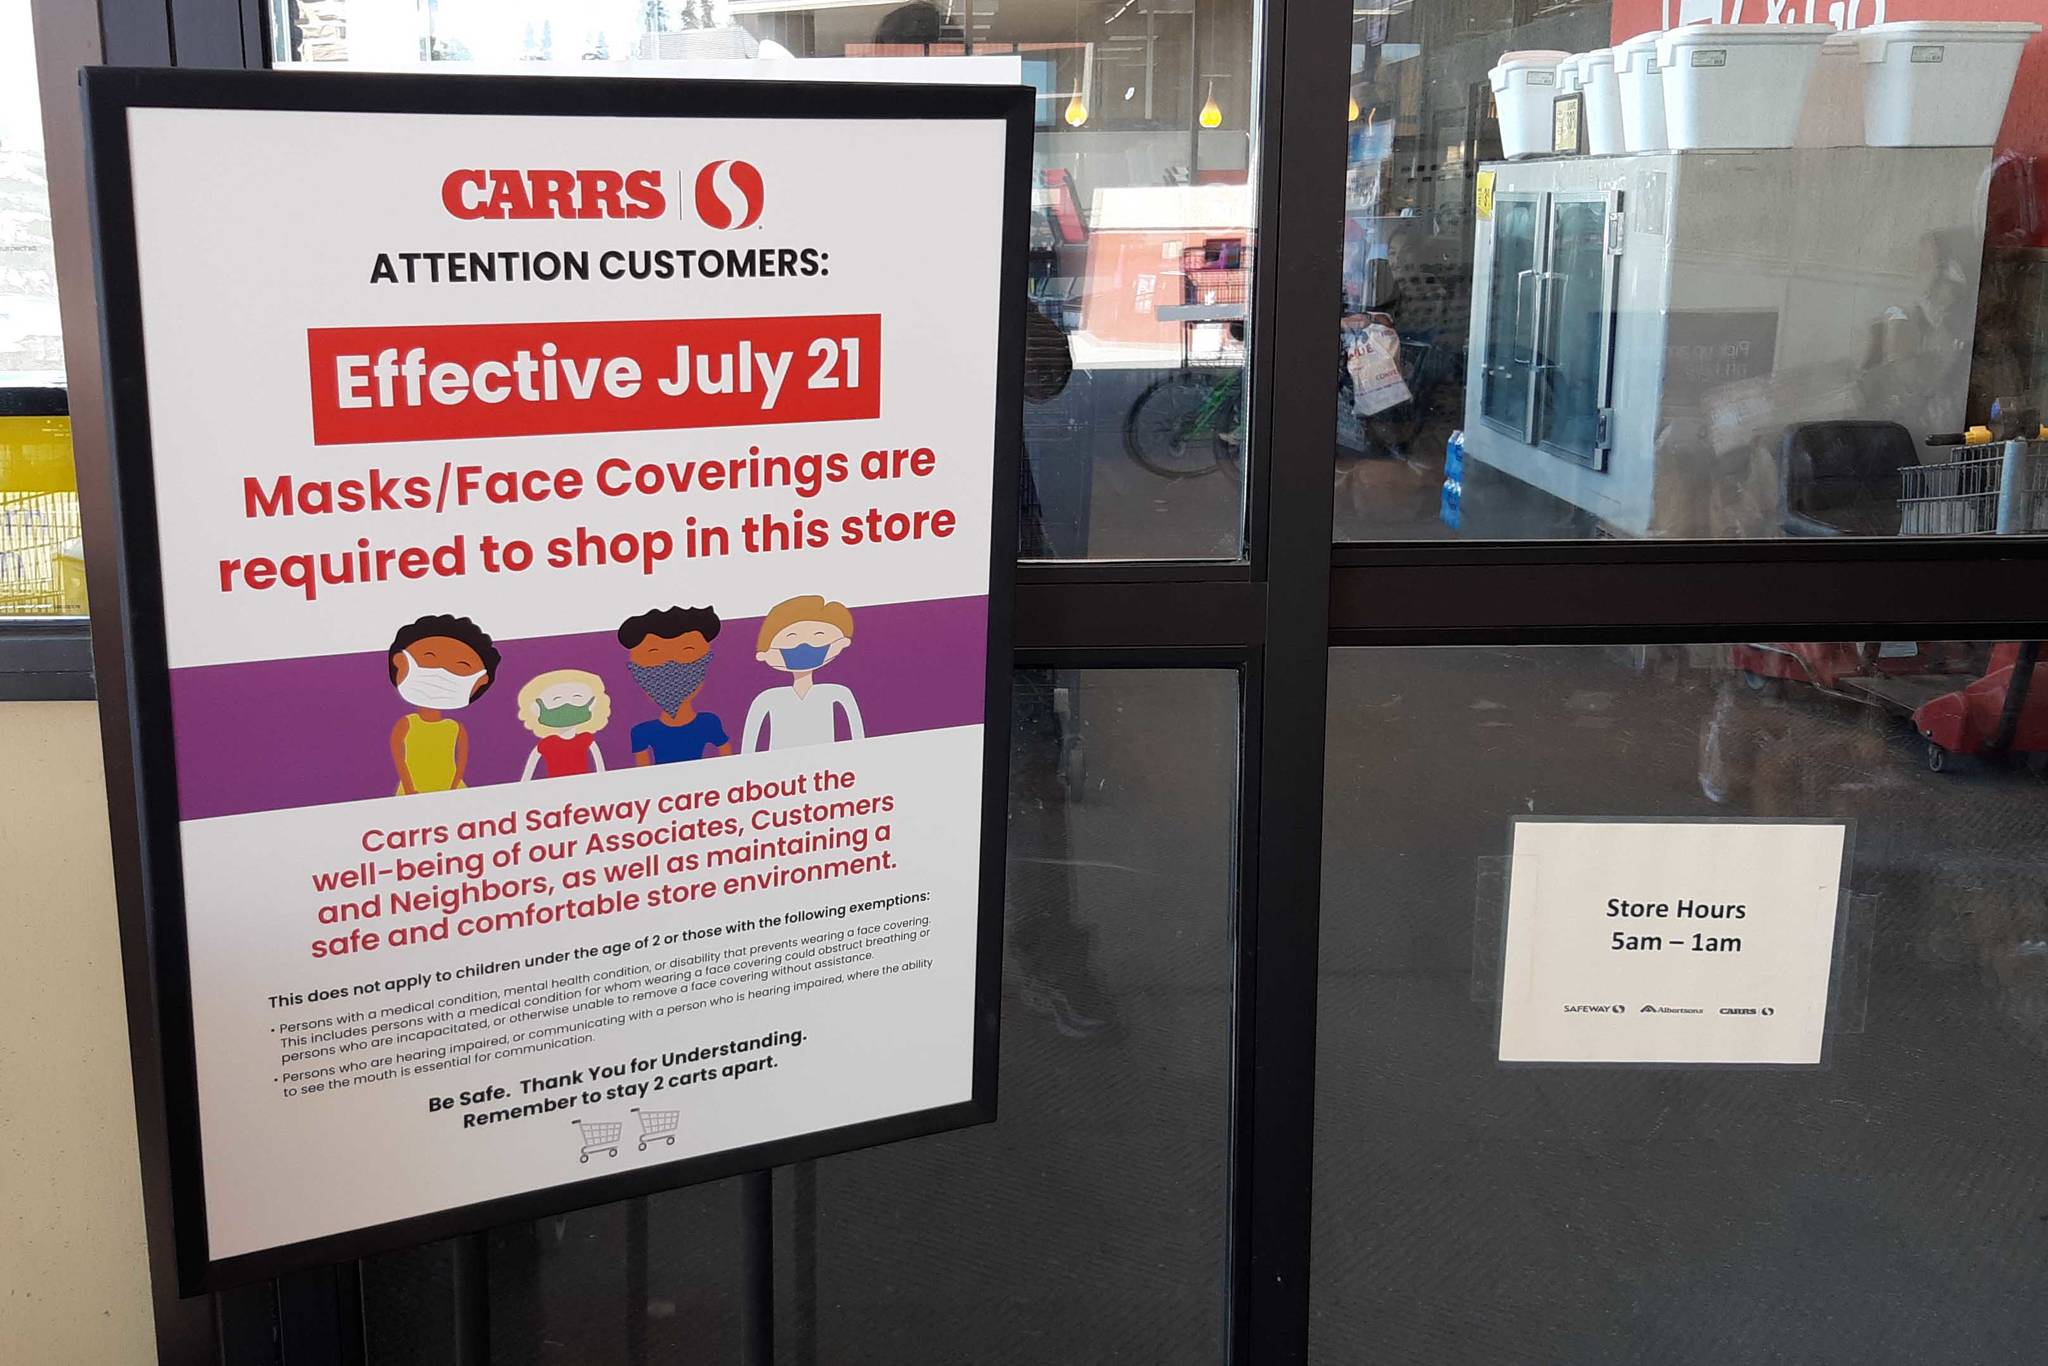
[1212,114]
[1077,112]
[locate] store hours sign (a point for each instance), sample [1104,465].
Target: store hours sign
[1670,941]
[568,530]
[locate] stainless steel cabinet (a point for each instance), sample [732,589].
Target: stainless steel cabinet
[1645,327]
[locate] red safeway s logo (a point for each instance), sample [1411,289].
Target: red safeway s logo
[729,194]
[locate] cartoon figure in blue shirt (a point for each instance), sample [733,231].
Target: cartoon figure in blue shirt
[668,652]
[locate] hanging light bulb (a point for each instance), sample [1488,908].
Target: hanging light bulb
[1077,112]
[1354,109]
[1211,115]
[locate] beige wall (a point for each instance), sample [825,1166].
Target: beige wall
[74,1282]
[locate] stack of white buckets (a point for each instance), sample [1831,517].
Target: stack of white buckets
[1771,85]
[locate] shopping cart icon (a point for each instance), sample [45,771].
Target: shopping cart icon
[598,1138]
[658,1125]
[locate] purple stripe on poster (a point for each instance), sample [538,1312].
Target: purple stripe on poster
[271,734]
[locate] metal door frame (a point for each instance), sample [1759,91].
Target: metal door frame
[1539,266]
[1610,286]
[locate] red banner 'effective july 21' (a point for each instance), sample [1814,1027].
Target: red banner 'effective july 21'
[428,383]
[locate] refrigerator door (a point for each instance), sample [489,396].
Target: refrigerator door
[1575,326]
[1508,374]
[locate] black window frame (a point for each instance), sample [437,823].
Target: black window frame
[1272,615]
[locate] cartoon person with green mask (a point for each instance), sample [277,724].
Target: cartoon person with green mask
[564,710]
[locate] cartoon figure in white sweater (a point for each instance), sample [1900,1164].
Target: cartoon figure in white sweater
[799,637]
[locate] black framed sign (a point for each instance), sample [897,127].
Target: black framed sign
[568,532]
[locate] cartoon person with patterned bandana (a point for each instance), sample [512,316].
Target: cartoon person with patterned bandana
[668,652]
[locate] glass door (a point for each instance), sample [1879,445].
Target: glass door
[1509,362]
[1575,327]
[1247,1119]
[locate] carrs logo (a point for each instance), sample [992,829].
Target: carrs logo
[729,194]
[476,194]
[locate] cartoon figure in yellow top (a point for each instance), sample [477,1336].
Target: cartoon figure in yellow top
[564,710]
[799,637]
[438,664]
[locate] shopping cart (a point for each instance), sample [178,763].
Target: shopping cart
[2000,487]
[658,1124]
[598,1138]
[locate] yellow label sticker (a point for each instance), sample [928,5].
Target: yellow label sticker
[1483,199]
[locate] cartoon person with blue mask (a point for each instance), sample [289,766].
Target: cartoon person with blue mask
[668,652]
[799,637]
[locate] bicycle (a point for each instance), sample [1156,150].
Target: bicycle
[1191,422]
[1188,423]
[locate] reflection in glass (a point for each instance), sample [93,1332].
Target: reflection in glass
[1141,217]
[1737,317]
[1885,1206]
[1088,1224]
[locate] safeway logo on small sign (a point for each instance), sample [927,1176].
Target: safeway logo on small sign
[729,194]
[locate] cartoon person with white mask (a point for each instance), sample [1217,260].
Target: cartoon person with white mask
[438,664]
[799,637]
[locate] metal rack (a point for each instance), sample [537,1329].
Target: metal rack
[38,573]
[1216,290]
[1999,488]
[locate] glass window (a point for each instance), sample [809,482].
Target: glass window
[1885,1205]
[1141,223]
[42,568]
[1614,269]
[1089,1223]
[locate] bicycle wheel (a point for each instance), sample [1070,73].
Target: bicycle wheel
[1171,429]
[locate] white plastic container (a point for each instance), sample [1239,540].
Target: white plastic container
[1938,84]
[1569,73]
[1737,85]
[1641,78]
[1834,102]
[1603,102]
[1524,84]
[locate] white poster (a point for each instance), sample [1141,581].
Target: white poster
[577,539]
[1669,941]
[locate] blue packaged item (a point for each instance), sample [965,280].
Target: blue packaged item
[1454,481]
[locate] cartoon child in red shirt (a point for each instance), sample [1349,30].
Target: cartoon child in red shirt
[564,710]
